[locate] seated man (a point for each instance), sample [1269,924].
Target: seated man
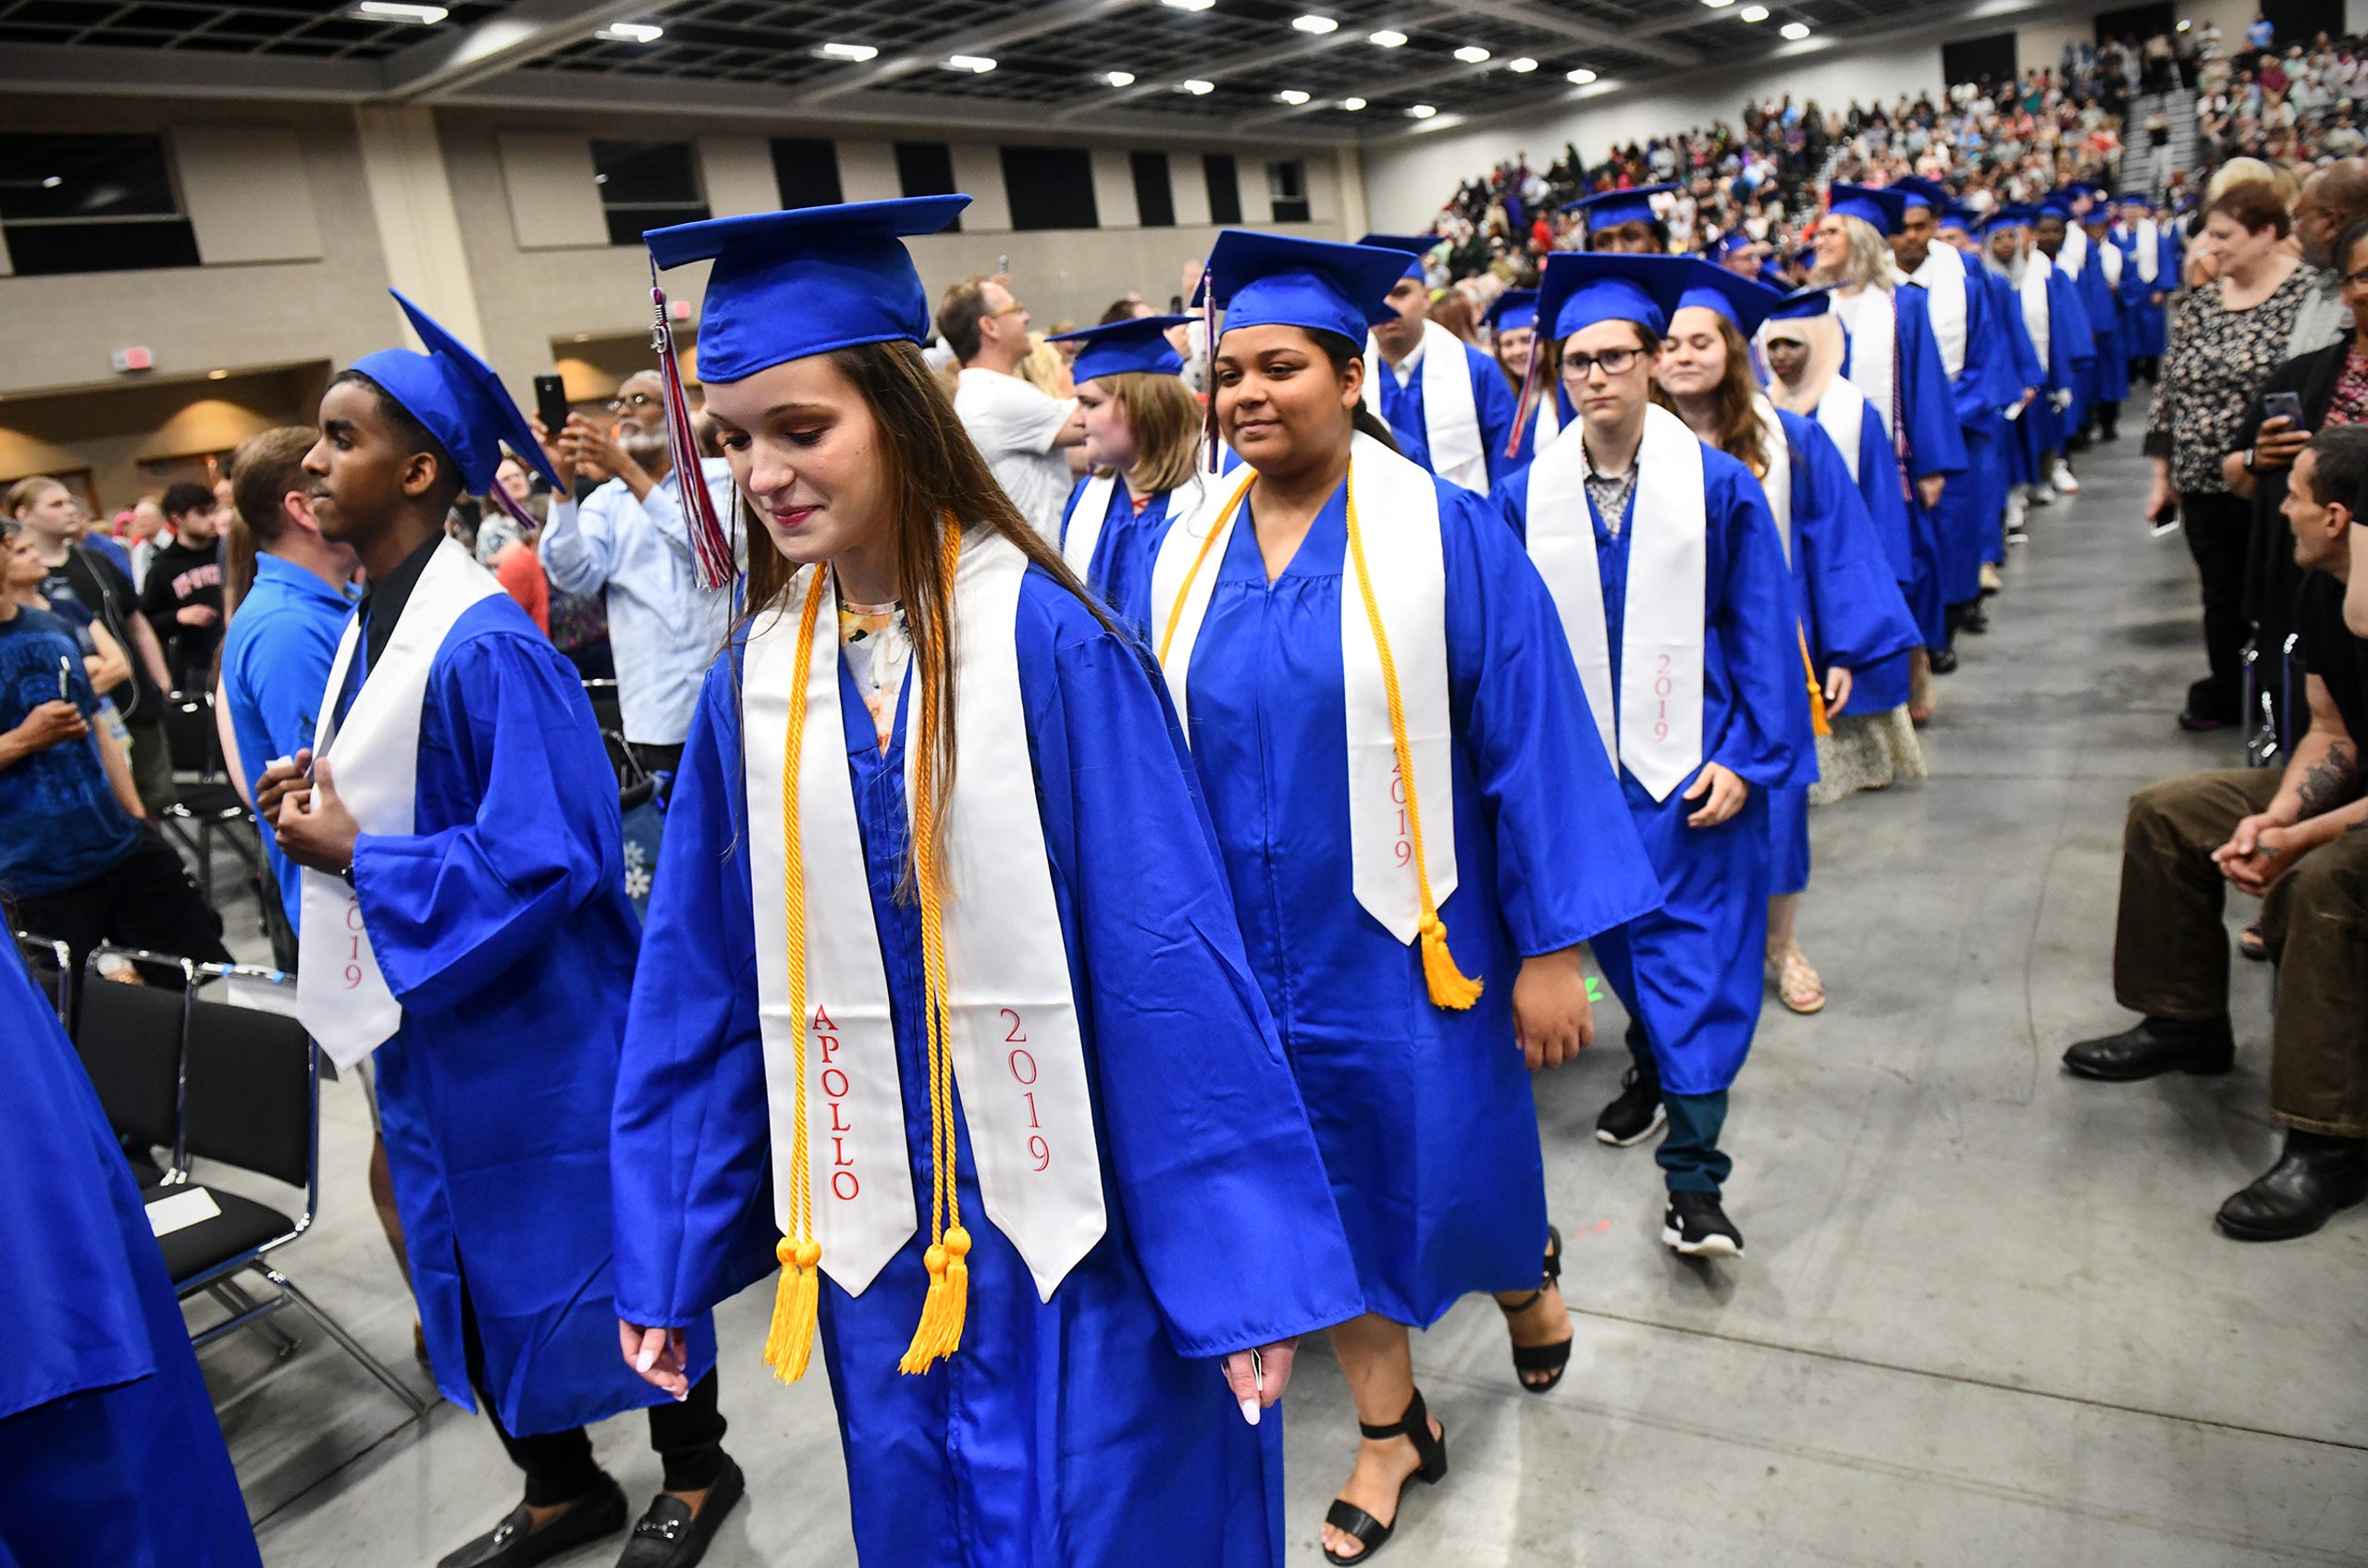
[2300,842]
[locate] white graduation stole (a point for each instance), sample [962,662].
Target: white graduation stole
[2033,294]
[1450,414]
[1872,354]
[1018,1057]
[1943,276]
[340,996]
[2076,248]
[1549,422]
[1842,414]
[1398,515]
[2150,249]
[1778,480]
[2110,258]
[1656,726]
[1085,523]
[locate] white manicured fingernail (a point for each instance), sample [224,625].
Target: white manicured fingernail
[648,1360]
[1249,1412]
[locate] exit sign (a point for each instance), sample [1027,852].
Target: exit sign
[134,359]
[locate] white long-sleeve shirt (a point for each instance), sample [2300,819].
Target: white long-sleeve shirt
[665,629]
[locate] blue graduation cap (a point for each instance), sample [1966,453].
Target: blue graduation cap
[2056,203]
[1733,240]
[2008,215]
[1803,304]
[1964,219]
[1415,245]
[1515,309]
[789,285]
[1581,288]
[459,399]
[1610,209]
[1884,208]
[2134,199]
[1283,280]
[1121,346]
[1929,194]
[1744,302]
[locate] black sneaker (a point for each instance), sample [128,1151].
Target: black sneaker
[1696,1226]
[1635,1115]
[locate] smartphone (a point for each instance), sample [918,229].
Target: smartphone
[65,681]
[2165,519]
[550,402]
[2284,405]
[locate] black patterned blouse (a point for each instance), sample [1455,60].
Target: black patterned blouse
[2218,360]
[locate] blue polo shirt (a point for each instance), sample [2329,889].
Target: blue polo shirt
[276,662]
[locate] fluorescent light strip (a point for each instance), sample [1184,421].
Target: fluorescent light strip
[391,10]
[1472,54]
[848,51]
[1290,95]
[1315,24]
[1580,76]
[1521,67]
[1120,79]
[1795,31]
[976,64]
[631,33]
[1421,111]
[1387,38]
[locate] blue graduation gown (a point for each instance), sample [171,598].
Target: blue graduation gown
[2070,349]
[1060,1431]
[2109,372]
[1933,443]
[1121,570]
[1974,501]
[109,1453]
[503,926]
[1691,970]
[2145,324]
[1426,1116]
[1883,685]
[1402,407]
[1851,611]
[2018,367]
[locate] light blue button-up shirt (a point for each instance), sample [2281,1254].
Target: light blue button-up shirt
[663,627]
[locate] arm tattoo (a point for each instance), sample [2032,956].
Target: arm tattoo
[2331,780]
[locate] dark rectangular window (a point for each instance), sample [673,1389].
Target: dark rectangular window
[2140,23]
[1287,191]
[1979,59]
[1154,198]
[806,171]
[1224,186]
[647,185]
[1050,188]
[91,204]
[926,168]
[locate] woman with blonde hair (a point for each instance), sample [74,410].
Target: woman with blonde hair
[1143,441]
[933,844]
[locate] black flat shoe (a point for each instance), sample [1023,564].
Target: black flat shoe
[2312,1179]
[1367,1531]
[2155,1046]
[2200,723]
[2250,945]
[670,1536]
[511,1544]
[1945,660]
[1553,1358]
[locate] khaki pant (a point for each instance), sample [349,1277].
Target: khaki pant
[2170,956]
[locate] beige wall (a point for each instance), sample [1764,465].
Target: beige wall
[125,437]
[481,216]
[2042,47]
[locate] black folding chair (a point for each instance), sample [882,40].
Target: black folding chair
[608,713]
[251,1100]
[205,802]
[52,964]
[130,1040]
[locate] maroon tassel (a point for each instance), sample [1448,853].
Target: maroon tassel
[710,548]
[1209,366]
[1529,398]
[517,514]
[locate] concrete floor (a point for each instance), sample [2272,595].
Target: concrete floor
[1984,1318]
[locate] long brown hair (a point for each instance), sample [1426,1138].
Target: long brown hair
[1741,435]
[934,474]
[1166,418]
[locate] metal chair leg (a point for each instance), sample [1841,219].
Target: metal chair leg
[354,1346]
[239,1302]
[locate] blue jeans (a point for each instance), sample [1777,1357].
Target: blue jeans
[1689,1155]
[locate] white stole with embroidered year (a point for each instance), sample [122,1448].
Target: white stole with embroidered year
[1398,517]
[1450,412]
[1019,1056]
[1872,318]
[1655,728]
[341,997]
[1943,276]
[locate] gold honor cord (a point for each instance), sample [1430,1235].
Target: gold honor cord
[1449,986]
[789,1343]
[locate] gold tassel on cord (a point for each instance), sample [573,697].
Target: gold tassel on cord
[789,1342]
[1818,722]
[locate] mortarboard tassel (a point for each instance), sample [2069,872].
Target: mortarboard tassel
[1818,720]
[790,1339]
[939,1333]
[711,550]
[509,505]
[1529,396]
[1209,365]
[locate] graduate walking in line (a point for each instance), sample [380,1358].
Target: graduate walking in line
[1445,402]
[1671,580]
[465,920]
[1142,434]
[2149,257]
[1513,321]
[1398,758]
[1849,608]
[109,1452]
[943,1005]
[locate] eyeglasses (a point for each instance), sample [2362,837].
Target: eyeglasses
[2354,279]
[1612,362]
[1012,309]
[634,400]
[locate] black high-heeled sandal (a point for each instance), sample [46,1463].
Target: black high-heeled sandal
[1368,1532]
[1541,1358]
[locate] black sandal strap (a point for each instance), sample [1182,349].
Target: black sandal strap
[1358,1526]
[1516,1308]
[1542,1358]
[1417,1419]
[1553,1274]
